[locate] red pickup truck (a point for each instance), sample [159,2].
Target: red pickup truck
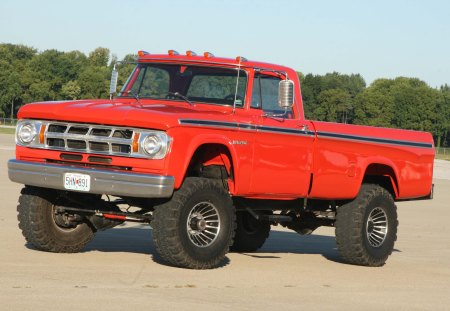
[211,152]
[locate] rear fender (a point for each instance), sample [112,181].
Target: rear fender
[383,173]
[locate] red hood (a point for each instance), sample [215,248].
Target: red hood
[154,115]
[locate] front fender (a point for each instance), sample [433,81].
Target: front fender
[184,147]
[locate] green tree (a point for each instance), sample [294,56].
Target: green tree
[14,60]
[415,104]
[375,106]
[99,57]
[16,54]
[10,90]
[125,68]
[407,103]
[94,82]
[41,91]
[441,123]
[334,105]
[71,90]
[47,75]
[313,85]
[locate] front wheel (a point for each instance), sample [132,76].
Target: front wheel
[196,227]
[366,228]
[47,229]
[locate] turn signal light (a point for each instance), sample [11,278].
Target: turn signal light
[42,134]
[136,142]
[173,52]
[208,54]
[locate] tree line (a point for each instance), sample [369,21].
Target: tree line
[407,103]
[27,75]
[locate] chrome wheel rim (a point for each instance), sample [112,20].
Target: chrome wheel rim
[377,227]
[203,224]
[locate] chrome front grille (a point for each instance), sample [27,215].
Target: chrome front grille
[89,138]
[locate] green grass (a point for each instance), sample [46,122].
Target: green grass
[443,156]
[443,153]
[7,130]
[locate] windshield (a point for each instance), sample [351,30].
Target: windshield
[211,85]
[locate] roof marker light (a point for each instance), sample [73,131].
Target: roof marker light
[190,53]
[208,55]
[142,53]
[172,52]
[240,59]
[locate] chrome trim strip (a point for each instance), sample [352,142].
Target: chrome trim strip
[111,182]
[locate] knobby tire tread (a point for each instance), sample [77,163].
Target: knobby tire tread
[349,227]
[166,224]
[32,211]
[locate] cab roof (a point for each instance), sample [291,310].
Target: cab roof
[207,58]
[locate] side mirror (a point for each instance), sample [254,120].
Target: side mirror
[286,94]
[113,84]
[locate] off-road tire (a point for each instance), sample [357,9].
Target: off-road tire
[250,233]
[170,225]
[35,215]
[352,223]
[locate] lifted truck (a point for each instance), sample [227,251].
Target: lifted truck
[211,152]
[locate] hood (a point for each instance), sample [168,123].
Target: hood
[154,115]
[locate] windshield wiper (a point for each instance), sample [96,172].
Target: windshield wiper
[176,94]
[136,96]
[129,93]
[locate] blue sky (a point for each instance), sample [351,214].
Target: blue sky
[378,39]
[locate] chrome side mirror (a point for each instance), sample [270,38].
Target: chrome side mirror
[286,94]
[113,84]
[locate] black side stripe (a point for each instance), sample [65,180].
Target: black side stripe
[281,130]
[209,123]
[284,130]
[246,127]
[375,140]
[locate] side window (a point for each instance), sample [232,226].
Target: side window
[265,94]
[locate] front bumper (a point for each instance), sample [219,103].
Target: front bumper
[102,181]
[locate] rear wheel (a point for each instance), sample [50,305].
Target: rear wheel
[196,227]
[250,233]
[366,228]
[47,229]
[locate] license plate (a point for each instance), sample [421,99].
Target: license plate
[79,182]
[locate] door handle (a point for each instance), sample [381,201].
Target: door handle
[304,127]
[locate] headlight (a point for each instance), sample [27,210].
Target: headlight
[154,144]
[26,133]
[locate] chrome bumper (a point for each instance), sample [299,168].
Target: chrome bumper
[102,181]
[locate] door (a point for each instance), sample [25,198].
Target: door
[283,145]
